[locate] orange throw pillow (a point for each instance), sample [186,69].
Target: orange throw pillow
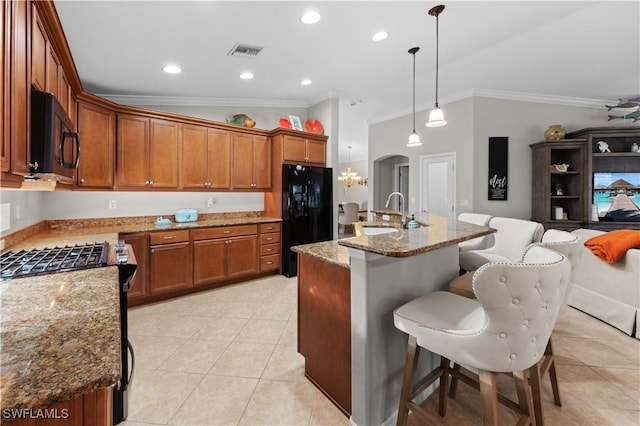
[612,245]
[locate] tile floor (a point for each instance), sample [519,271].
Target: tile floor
[228,356]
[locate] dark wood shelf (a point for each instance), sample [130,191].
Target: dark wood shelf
[571,172]
[615,154]
[564,197]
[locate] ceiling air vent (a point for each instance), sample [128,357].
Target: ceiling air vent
[240,49]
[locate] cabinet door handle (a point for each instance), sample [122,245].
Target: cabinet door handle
[169,237]
[146,182]
[153,250]
[151,182]
[82,180]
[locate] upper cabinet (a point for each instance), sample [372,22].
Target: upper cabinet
[303,150]
[206,158]
[147,152]
[47,72]
[97,133]
[251,162]
[5,84]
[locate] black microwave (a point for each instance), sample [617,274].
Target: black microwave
[55,148]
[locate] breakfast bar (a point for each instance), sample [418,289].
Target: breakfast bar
[387,267]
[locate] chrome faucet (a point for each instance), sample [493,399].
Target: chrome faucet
[404,206]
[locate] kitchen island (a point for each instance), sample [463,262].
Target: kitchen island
[387,268]
[60,347]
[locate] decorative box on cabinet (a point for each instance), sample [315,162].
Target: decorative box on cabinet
[552,188]
[270,237]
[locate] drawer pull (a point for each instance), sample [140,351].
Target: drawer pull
[269,263]
[169,237]
[226,232]
[269,238]
[269,249]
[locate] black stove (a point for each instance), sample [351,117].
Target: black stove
[25,263]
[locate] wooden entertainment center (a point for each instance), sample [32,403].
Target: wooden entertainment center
[572,190]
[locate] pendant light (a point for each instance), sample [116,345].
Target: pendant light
[436,116]
[414,138]
[349,177]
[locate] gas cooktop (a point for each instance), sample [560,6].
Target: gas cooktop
[27,263]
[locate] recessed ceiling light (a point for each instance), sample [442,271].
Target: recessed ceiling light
[380,36]
[171,69]
[310,17]
[246,76]
[306,82]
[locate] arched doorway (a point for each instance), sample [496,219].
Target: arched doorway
[391,174]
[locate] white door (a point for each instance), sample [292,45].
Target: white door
[400,183]
[438,184]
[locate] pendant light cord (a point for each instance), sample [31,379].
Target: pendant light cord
[414,92]
[437,67]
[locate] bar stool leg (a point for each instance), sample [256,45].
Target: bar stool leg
[408,379]
[489,392]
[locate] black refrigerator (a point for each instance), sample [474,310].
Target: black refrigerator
[307,210]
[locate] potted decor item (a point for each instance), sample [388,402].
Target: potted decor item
[554,132]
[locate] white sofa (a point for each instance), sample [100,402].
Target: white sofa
[608,291]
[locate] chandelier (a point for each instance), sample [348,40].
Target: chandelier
[349,177]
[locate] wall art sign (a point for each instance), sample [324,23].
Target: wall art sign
[498,168]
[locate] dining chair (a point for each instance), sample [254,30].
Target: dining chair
[348,217]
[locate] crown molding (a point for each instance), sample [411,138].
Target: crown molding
[502,95]
[203,101]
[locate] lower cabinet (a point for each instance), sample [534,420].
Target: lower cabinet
[140,244]
[225,252]
[270,247]
[176,262]
[169,261]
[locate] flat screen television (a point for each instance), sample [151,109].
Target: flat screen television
[617,196]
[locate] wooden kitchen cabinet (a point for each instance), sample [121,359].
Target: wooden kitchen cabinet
[5,85]
[170,261]
[224,252]
[19,89]
[304,150]
[251,162]
[97,133]
[47,72]
[140,244]
[206,158]
[39,51]
[270,237]
[147,152]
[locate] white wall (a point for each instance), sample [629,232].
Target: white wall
[470,124]
[25,208]
[390,138]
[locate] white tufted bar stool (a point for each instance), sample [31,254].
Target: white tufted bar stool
[562,242]
[505,330]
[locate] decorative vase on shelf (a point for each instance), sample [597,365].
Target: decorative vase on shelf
[554,132]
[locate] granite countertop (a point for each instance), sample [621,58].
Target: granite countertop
[83,231]
[59,337]
[328,251]
[436,232]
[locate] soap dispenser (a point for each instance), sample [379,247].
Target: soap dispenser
[413,223]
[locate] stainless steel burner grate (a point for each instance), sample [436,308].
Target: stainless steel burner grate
[26,263]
